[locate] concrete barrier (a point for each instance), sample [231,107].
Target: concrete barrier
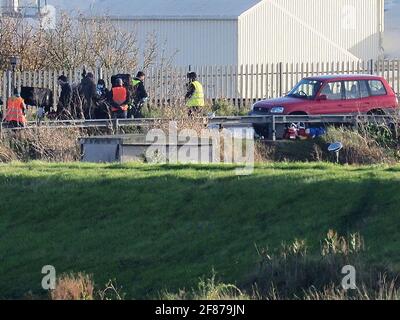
[135,147]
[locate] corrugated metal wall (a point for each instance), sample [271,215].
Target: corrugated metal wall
[310,30]
[352,24]
[191,42]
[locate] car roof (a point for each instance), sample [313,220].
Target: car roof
[339,77]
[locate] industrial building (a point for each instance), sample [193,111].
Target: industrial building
[236,32]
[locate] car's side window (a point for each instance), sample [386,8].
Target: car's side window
[352,90]
[332,90]
[364,92]
[377,88]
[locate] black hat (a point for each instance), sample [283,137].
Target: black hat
[63,78]
[192,75]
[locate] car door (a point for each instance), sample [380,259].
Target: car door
[334,99]
[379,95]
[352,97]
[367,102]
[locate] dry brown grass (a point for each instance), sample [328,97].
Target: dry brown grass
[263,152]
[46,144]
[208,289]
[288,151]
[358,148]
[179,114]
[6,153]
[291,273]
[386,290]
[73,287]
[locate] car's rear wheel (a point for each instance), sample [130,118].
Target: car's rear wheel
[376,112]
[262,131]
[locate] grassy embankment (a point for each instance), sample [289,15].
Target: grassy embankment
[155,228]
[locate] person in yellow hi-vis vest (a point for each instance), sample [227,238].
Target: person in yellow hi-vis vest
[195,94]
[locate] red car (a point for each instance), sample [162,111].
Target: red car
[333,94]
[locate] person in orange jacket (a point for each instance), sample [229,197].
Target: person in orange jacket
[15,113]
[119,100]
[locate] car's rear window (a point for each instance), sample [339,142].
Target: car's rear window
[377,88]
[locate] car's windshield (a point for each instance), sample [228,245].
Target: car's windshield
[306,89]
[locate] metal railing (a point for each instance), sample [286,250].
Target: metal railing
[271,121]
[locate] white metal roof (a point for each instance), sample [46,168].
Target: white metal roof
[160,9]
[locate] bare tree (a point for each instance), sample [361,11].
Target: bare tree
[75,42]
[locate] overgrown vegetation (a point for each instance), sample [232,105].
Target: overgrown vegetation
[73,287]
[42,143]
[6,153]
[370,144]
[81,286]
[223,107]
[289,272]
[208,289]
[292,272]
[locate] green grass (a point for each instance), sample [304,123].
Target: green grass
[155,228]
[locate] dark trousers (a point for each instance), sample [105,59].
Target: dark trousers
[15,124]
[193,111]
[120,114]
[135,110]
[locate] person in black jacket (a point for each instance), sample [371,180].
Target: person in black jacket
[88,92]
[139,96]
[64,101]
[102,110]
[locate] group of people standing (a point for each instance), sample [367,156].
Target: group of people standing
[90,101]
[124,100]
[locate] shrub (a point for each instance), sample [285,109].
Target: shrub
[48,144]
[180,115]
[110,292]
[208,289]
[6,153]
[358,148]
[386,290]
[288,151]
[73,287]
[291,272]
[222,107]
[381,133]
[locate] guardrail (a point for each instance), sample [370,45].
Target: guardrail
[270,121]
